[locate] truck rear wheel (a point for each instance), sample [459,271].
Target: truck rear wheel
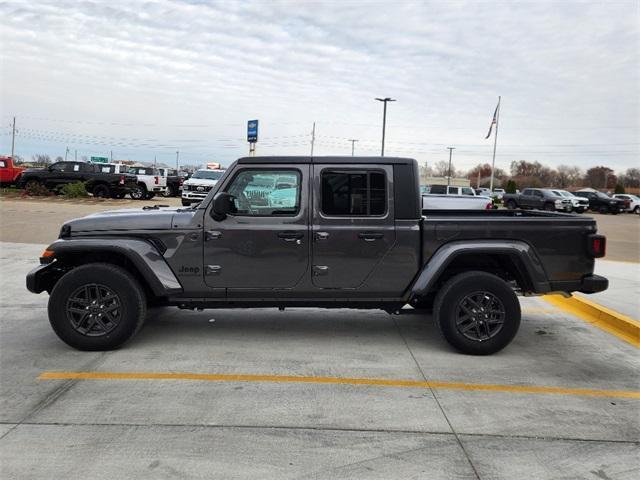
[511,205]
[97,307]
[478,313]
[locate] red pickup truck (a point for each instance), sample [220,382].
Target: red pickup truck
[8,172]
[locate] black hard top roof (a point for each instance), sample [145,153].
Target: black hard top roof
[337,160]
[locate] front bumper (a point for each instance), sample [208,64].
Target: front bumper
[42,277]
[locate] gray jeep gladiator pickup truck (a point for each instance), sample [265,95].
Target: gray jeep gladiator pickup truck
[328,232]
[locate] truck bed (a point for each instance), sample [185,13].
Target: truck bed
[559,239]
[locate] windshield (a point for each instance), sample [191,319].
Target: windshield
[208,174]
[603,195]
[564,193]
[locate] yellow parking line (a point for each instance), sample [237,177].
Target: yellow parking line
[378,382]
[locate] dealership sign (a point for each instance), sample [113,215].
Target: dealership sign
[252,131]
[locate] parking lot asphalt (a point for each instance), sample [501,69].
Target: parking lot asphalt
[311,394]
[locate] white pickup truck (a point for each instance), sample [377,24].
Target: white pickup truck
[451,197]
[150,183]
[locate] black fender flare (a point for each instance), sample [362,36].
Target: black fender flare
[522,252]
[145,257]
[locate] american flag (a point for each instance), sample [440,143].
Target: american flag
[494,121]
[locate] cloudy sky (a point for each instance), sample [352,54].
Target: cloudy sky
[145,79]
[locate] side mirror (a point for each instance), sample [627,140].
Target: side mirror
[223,204]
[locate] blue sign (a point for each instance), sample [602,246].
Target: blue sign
[252,131]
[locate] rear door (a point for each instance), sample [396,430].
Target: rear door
[353,223]
[527,198]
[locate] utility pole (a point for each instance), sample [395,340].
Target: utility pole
[177,157]
[313,137]
[155,161]
[66,152]
[384,118]
[111,155]
[478,182]
[75,155]
[353,143]
[13,137]
[451,149]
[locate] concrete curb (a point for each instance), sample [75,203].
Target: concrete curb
[604,318]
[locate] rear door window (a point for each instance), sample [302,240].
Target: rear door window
[353,193]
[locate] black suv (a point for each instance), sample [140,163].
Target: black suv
[100,180]
[601,202]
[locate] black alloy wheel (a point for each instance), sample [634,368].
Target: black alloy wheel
[94,310]
[480,316]
[549,207]
[478,313]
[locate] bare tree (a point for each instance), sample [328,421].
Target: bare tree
[631,177]
[441,169]
[41,159]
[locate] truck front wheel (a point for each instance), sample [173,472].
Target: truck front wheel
[511,205]
[97,307]
[478,313]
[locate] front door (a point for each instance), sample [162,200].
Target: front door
[353,223]
[264,245]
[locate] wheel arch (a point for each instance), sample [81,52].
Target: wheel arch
[139,257]
[510,260]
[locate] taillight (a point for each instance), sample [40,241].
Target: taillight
[489,206]
[121,179]
[157,179]
[181,180]
[597,245]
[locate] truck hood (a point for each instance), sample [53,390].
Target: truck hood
[133,219]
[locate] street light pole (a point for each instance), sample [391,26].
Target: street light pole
[353,143]
[384,118]
[451,149]
[177,157]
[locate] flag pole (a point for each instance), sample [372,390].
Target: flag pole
[495,142]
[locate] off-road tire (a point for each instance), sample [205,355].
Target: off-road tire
[511,205]
[448,305]
[130,314]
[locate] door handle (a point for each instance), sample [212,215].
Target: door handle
[213,234]
[321,235]
[290,236]
[370,236]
